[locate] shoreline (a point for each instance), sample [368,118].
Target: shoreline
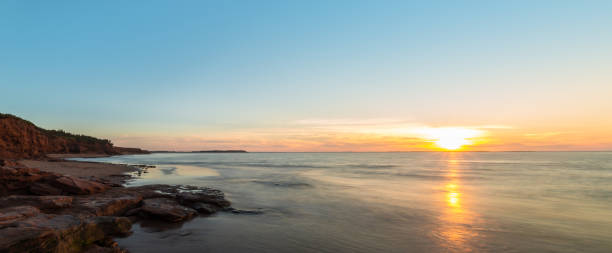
[117,174]
[58,205]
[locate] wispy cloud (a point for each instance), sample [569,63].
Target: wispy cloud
[375,134]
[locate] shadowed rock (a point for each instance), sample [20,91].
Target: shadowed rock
[59,233]
[10,215]
[41,202]
[166,209]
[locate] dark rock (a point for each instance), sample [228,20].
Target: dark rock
[205,208]
[132,212]
[166,209]
[184,194]
[44,233]
[10,215]
[240,211]
[99,249]
[59,233]
[39,188]
[41,202]
[110,225]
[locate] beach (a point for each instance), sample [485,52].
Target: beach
[115,173]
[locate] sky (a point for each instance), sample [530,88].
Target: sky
[313,75]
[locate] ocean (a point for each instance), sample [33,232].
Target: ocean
[386,202]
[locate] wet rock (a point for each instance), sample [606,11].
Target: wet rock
[85,221]
[42,233]
[99,249]
[41,202]
[185,233]
[10,215]
[166,209]
[132,212]
[110,225]
[205,208]
[207,196]
[59,233]
[241,211]
[189,196]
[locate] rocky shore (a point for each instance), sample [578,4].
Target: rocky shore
[44,210]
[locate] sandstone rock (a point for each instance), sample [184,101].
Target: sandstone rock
[44,189]
[111,203]
[78,186]
[42,233]
[166,209]
[59,233]
[41,202]
[10,215]
[27,180]
[19,180]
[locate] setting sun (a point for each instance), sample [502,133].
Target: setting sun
[452,138]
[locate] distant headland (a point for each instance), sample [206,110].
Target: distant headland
[203,151]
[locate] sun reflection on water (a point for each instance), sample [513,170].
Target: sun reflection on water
[456,220]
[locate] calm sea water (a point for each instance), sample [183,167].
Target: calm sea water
[388,202]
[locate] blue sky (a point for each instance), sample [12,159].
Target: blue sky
[135,71]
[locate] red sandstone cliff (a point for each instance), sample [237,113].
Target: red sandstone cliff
[20,138]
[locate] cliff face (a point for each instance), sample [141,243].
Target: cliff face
[22,139]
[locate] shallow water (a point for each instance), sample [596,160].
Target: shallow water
[388,202]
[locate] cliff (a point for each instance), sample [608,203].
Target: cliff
[20,138]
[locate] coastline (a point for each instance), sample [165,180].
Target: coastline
[57,205]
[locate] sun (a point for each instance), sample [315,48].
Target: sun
[453,143]
[452,138]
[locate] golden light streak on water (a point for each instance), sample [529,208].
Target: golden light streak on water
[456,220]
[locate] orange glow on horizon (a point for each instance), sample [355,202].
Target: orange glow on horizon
[383,139]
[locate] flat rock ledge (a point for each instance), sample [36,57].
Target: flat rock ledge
[47,212]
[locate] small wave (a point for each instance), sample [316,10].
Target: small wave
[283,184]
[371,166]
[168,171]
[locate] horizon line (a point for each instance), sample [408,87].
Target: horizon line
[412,151]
